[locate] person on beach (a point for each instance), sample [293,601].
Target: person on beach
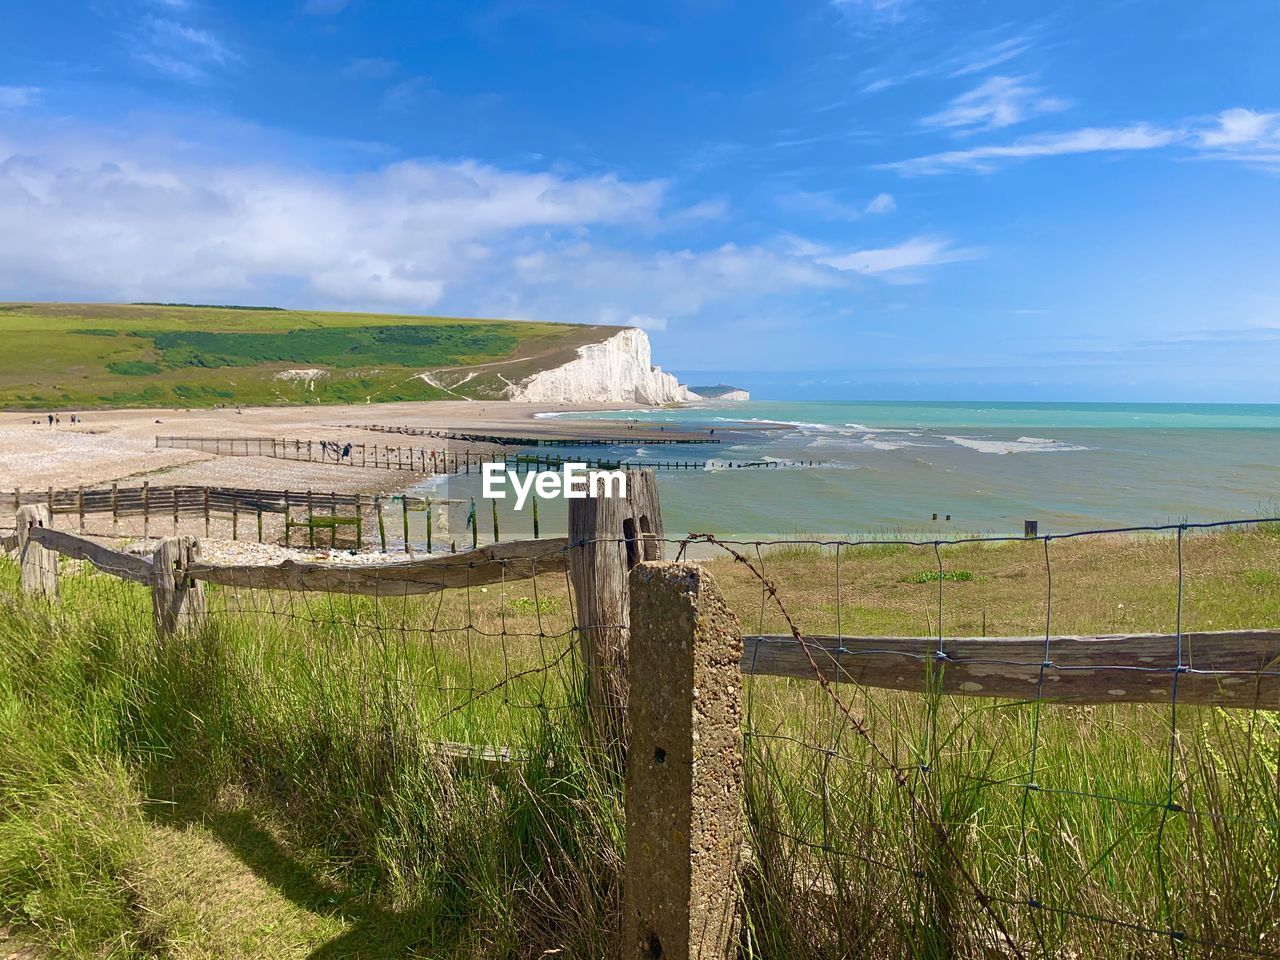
[51,419]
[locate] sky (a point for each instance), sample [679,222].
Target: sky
[862,199]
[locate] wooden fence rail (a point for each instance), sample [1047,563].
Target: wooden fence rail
[324,510]
[346,454]
[1223,668]
[1226,668]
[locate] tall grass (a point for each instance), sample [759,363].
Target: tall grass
[302,733]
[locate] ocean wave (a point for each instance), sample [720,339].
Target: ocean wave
[872,441]
[1021,445]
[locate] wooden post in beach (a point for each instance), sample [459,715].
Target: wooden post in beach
[608,536]
[177,601]
[146,508]
[382,523]
[39,566]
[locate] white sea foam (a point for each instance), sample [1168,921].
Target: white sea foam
[1021,445]
[862,441]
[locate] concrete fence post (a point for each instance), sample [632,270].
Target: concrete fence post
[608,536]
[39,566]
[176,600]
[684,768]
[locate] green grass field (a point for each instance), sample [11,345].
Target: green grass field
[268,787]
[86,356]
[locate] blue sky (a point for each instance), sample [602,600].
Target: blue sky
[890,198]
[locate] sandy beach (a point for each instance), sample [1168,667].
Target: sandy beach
[120,445]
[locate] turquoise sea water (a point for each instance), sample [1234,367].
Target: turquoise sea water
[891,466]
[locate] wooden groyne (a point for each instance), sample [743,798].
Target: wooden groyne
[527,462]
[431,462]
[339,453]
[646,436]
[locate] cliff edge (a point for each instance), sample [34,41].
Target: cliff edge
[618,369]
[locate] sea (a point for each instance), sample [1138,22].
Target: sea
[979,468]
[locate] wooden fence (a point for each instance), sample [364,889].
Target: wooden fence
[647,436]
[372,456]
[431,462]
[238,506]
[665,665]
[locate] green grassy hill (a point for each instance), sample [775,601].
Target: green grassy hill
[85,356]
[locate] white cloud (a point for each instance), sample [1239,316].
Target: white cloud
[558,282]
[1240,127]
[882,203]
[1142,136]
[991,56]
[15,98]
[994,103]
[829,206]
[614,318]
[125,221]
[1247,136]
[912,254]
[180,50]
[969,57]
[101,218]
[1239,134]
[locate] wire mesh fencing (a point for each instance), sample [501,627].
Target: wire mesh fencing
[1056,746]
[893,810]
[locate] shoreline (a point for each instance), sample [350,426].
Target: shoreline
[119,445]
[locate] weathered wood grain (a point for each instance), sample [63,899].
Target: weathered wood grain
[609,536]
[177,601]
[1229,668]
[496,563]
[38,565]
[126,566]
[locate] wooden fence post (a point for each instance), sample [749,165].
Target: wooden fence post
[176,600]
[608,536]
[684,768]
[39,566]
[359,522]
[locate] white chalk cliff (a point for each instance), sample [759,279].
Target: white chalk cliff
[616,370]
